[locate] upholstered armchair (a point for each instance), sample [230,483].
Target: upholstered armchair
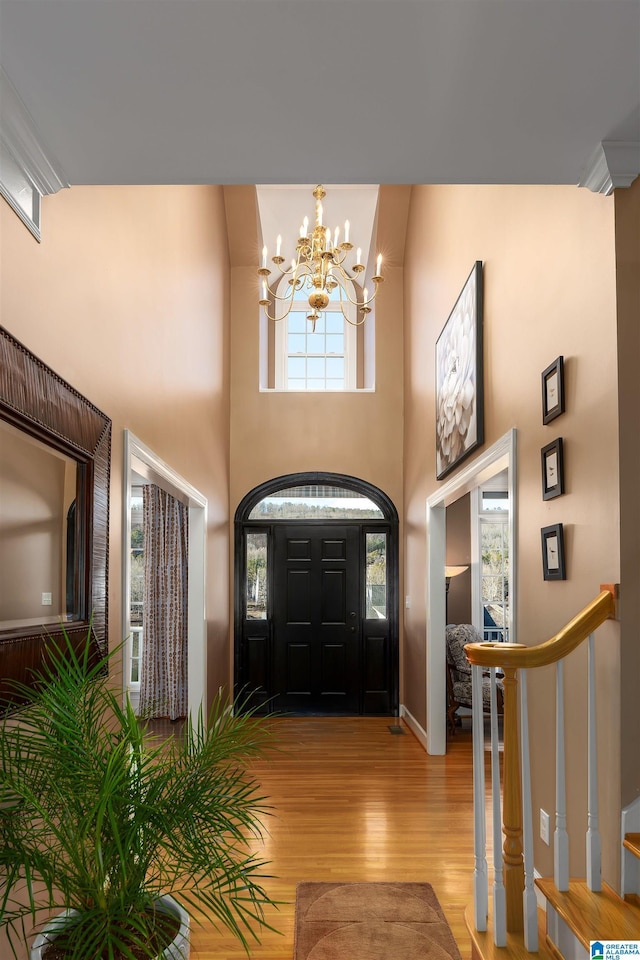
[459,673]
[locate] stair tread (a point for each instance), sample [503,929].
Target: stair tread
[593,915]
[483,945]
[632,843]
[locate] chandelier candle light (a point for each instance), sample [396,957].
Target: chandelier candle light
[319,267]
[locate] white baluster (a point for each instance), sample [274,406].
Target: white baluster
[529,901]
[594,881]
[480,880]
[560,836]
[499,896]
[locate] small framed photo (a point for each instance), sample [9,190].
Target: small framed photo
[553,390]
[553,565]
[552,470]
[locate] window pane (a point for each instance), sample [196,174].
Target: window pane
[335,343]
[335,385]
[297,322]
[297,343]
[335,367]
[495,578]
[314,501]
[295,367]
[319,324]
[315,343]
[256,585]
[315,367]
[376,580]
[335,322]
[315,384]
[296,384]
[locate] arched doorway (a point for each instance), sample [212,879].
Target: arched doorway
[316,596]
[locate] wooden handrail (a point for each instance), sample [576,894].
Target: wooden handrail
[511,657]
[519,656]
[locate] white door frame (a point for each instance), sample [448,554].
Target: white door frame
[142,460]
[502,454]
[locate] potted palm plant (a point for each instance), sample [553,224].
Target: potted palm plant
[100,822]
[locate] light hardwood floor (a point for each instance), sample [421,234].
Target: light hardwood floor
[353,802]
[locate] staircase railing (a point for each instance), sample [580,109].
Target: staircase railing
[514,899]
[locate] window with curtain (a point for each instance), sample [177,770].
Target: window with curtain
[163,666]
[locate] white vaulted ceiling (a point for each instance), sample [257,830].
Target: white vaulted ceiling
[331,91]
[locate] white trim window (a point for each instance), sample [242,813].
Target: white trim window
[494,520]
[320,359]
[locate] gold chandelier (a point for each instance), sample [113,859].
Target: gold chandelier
[319,267]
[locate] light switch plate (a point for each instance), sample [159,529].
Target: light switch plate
[544,826]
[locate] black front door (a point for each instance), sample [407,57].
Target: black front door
[316,619]
[316,598]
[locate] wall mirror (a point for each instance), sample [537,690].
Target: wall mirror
[55,451]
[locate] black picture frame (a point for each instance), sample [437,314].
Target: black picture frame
[553,557]
[552,464]
[459,378]
[553,390]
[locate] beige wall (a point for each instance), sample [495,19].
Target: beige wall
[127,299]
[627,213]
[458,553]
[549,289]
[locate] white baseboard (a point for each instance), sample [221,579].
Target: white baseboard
[419,732]
[630,823]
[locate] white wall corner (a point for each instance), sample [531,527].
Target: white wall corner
[613,164]
[20,137]
[418,731]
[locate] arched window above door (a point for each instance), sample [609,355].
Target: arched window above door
[315,502]
[316,489]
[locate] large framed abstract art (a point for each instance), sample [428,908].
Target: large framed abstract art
[459,385]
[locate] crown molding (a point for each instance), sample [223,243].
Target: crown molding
[613,164]
[19,135]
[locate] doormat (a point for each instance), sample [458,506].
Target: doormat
[371,921]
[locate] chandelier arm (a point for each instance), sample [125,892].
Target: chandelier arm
[356,302]
[354,323]
[278,319]
[296,281]
[337,261]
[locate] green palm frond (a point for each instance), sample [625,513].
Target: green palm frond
[96,818]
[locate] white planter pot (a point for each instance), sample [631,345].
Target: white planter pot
[178,949]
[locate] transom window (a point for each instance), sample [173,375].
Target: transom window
[315,361]
[316,502]
[320,359]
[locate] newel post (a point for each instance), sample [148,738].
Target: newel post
[513,862]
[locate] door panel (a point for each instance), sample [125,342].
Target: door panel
[316,618]
[317,630]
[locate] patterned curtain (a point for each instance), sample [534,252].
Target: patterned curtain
[163,674]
